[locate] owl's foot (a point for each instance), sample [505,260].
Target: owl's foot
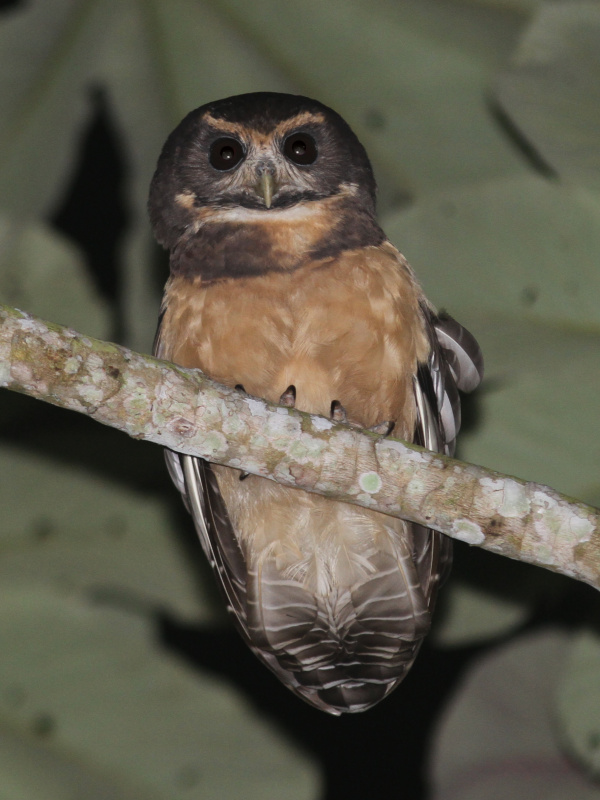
[383,428]
[288,398]
[338,414]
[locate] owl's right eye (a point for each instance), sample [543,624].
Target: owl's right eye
[226,153]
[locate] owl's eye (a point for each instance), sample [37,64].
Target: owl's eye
[226,153]
[300,148]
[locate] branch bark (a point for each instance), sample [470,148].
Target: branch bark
[183,410]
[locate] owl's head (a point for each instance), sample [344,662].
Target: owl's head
[256,153]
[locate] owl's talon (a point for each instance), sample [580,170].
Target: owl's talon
[338,412]
[383,428]
[288,398]
[239,387]
[244,475]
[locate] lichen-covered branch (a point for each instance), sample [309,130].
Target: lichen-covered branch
[183,410]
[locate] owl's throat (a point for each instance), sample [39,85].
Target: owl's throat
[240,243]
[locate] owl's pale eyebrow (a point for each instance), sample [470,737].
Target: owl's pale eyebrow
[222,125]
[239,129]
[299,121]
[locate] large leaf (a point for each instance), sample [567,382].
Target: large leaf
[551,90]
[89,699]
[154,60]
[64,527]
[47,54]
[578,702]
[496,738]
[43,273]
[411,78]
[516,261]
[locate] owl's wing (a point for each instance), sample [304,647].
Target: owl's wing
[198,485]
[194,478]
[455,362]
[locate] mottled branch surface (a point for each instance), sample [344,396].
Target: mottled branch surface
[185,411]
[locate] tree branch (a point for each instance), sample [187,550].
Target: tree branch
[185,411]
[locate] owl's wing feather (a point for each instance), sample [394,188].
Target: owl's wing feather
[348,650]
[455,362]
[216,533]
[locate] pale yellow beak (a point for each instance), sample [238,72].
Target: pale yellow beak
[266,188]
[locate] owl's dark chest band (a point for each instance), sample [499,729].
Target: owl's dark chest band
[220,250]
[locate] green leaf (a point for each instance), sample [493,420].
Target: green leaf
[31,770]
[159,60]
[516,261]
[88,688]
[496,738]
[521,247]
[155,61]
[578,702]
[51,47]
[488,597]
[43,273]
[552,93]
[65,528]
[417,98]
[410,78]
[471,614]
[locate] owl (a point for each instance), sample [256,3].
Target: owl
[283,284]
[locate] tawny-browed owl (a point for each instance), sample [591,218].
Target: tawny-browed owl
[283,284]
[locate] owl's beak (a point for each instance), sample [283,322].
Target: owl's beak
[266,187]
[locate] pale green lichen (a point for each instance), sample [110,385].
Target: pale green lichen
[52,339]
[370,482]
[365,499]
[71,365]
[233,425]
[467,531]
[515,502]
[135,401]
[282,424]
[507,498]
[22,373]
[389,451]
[558,525]
[416,487]
[259,441]
[95,365]
[32,325]
[91,394]
[257,408]
[321,424]
[5,377]
[307,450]
[581,529]
[213,444]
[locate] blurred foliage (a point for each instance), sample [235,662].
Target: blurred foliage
[118,676]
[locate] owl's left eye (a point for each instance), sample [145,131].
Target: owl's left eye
[300,148]
[226,153]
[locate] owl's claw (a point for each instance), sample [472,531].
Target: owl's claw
[383,428]
[338,412]
[288,398]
